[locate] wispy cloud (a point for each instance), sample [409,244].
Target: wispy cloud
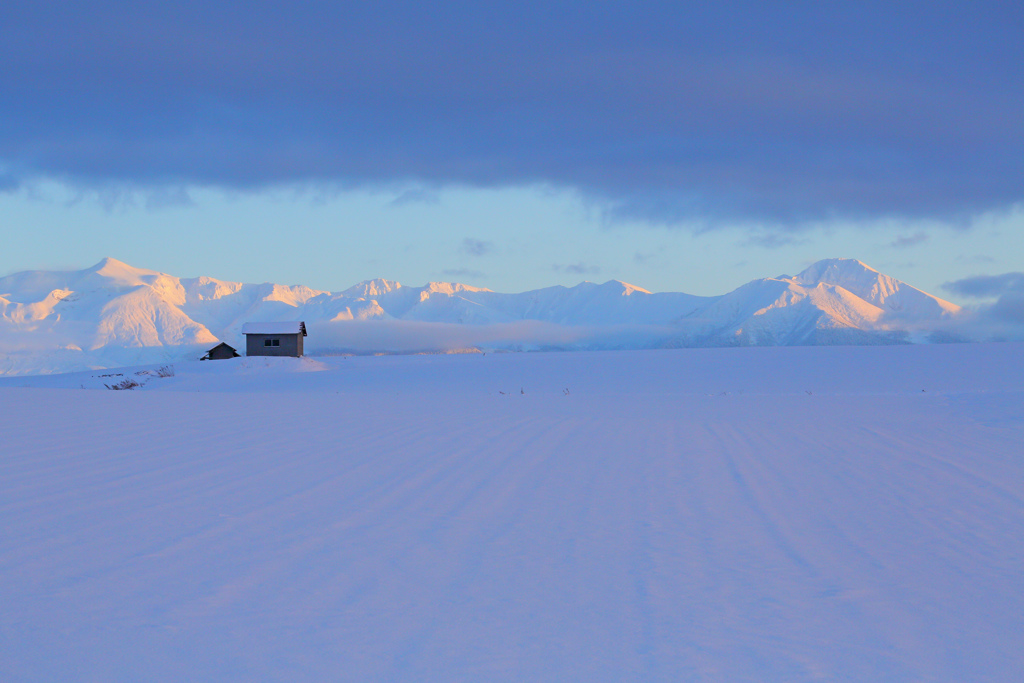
[416,196]
[464,272]
[475,247]
[577,269]
[986,286]
[168,197]
[772,240]
[904,241]
[977,258]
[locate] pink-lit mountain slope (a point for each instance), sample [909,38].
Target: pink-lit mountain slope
[835,301]
[115,314]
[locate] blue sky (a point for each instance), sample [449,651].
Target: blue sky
[514,145]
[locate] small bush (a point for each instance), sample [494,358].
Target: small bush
[128,383]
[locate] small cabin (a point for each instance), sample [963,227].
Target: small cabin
[274,339]
[221,351]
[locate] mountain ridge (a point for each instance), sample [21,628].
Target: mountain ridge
[115,314]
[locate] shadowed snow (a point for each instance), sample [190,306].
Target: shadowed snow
[711,514]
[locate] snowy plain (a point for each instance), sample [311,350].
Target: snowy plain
[809,513]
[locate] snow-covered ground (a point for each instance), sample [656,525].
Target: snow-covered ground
[815,513]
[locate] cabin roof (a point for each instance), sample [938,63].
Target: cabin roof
[281,327]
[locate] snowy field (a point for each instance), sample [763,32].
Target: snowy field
[779,514]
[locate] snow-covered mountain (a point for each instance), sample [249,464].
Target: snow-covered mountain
[835,301]
[114,314]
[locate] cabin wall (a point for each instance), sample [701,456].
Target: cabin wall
[291,345]
[221,353]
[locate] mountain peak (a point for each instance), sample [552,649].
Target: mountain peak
[896,297]
[833,269]
[109,262]
[627,289]
[451,288]
[120,272]
[368,289]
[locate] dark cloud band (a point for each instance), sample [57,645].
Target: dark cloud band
[665,112]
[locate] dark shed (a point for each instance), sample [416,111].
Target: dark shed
[274,339]
[220,352]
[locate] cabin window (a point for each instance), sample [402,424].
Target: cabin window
[271,342]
